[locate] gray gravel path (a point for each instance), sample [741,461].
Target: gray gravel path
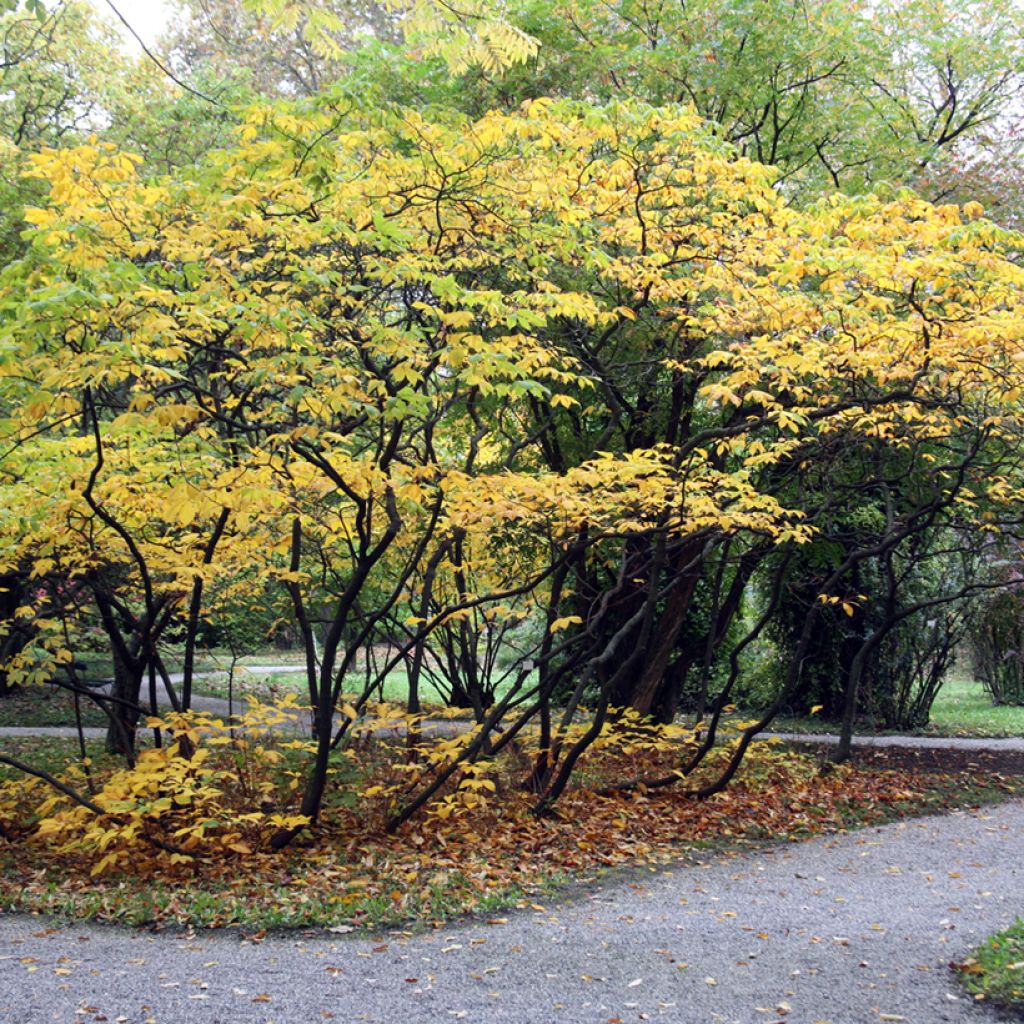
[218,706]
[64,731]
[845,930]
[1014,743]
[215,705]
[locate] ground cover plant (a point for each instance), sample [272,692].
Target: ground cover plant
[173,841]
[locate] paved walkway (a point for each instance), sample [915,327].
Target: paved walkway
[218,706]
[853,929]
[1013,743]
[215,705]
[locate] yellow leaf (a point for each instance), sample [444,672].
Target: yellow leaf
[563,401]
[565,623]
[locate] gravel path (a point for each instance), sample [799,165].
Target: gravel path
[1009,743]
[219,706]
[846,930]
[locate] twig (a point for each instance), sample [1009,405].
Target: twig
[156,60]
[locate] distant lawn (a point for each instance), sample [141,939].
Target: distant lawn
[52,754]
[47,706]
[52,706]
[214,659]
[213,667]
[268,685]
[962,708]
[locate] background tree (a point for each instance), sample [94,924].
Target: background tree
[231,41]
[58,77]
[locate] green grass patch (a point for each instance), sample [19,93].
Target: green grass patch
[52,754]
[97,666]
[47,706]
[995,969]
[962,708]
[271,685]
[218,674]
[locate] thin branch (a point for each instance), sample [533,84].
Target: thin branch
[156,60]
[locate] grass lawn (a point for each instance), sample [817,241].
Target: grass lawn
[214,665]
[216,659]
[995,969]
[51,753]
[265,685]
[269,684]
[47,706]
[962,708]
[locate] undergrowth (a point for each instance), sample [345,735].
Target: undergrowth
[183,837]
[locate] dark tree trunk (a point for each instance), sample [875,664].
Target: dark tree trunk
[651,691]
[18,634]
[124,710]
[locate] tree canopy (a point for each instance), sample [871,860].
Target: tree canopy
[563,360]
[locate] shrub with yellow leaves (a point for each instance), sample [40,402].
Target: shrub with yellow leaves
[212,790]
